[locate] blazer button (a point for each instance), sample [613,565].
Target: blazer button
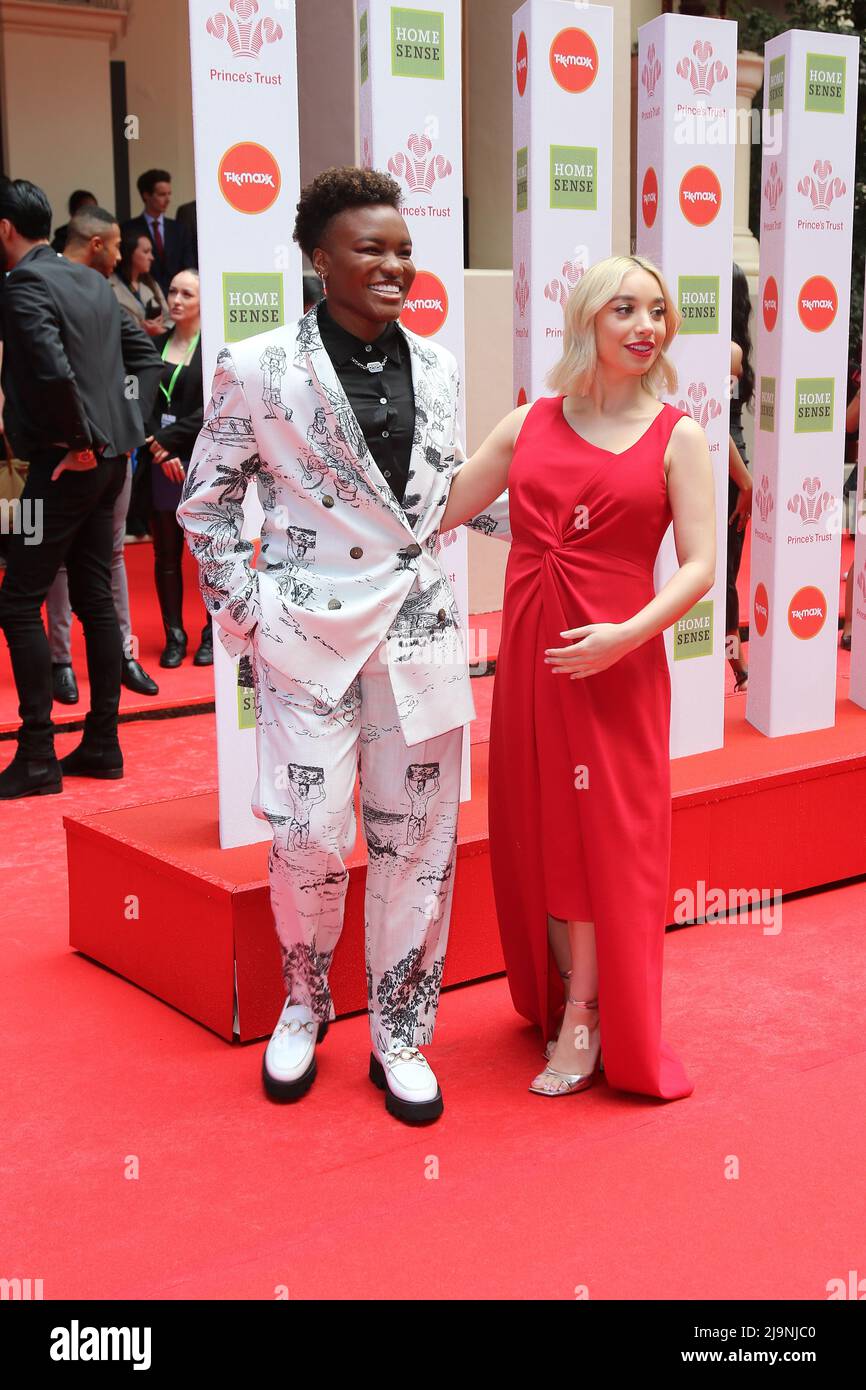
[356,552]
[413,550]
[334,603]
[441,615]
[327,501]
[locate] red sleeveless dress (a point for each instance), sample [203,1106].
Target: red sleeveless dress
[599,853]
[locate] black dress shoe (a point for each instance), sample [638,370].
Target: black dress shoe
[204,655]
[64,683]
[175,647]
[135,678]
[30,777]
[106,764]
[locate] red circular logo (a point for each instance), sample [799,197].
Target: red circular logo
[762,609]
[649,196]
[700,195]
[770,303]
[521,68]
[249,177]
[574,60]
[817,303]
[522,397]
[426,307]
[807,612]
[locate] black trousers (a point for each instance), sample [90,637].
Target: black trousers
[70,520]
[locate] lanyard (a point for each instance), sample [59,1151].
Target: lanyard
[176,373]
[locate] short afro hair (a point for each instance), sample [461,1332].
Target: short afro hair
[332,192]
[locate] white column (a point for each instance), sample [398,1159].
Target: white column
[685,218]
[562,147]
[807,177]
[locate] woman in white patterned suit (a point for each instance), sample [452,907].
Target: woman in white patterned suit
[350,623]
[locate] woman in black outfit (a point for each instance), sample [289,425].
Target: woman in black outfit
[173,430]
[739,479]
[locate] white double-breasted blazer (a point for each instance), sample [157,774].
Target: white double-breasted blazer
[342,565]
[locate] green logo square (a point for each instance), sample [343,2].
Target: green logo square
[246,694]
[693,632]
[776,101]
[252,303]
[364,49]
[825,82]
[698,297]
[574,177]
[813,404]
[522,179]
[767,404]
[417,43]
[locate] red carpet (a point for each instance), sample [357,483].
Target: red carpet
[231,1196]
[234,1196]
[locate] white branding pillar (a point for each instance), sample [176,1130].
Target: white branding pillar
[857,686]
[686,133]
[245,127]
[561,174]
[807,189]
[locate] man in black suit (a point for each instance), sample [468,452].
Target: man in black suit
[173,248]
[73,367]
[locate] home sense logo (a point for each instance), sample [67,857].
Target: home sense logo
[573,176]
[574,60]
[249,177]
[813,404]
[761,609]
[252,303]
[767,394]
[770,303]
[693,632]
[521,63]
[426,307]
[364,47]
[807,612]
[825,82]
[417,43]
[817,303]
[649,196]
[698,303]
[700,195]
[776,100]
[522,179]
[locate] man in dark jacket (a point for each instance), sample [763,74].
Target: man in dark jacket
[73,368]
[173,247]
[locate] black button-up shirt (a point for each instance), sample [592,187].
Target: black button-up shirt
[383,402]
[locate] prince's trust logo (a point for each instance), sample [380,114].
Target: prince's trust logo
[820,187]
[651,71]
[764,501]
[558,289]
[811,505]
[702,71]
[420,169]
[244,34]
[701,406]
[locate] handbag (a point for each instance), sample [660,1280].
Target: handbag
[13,474]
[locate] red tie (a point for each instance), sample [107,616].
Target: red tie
[158,244]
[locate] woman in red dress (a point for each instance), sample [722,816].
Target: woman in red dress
[580,795]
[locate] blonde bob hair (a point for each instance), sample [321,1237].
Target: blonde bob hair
[575,371]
